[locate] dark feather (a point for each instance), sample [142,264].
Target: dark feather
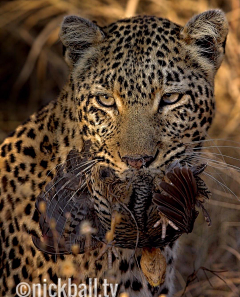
[180,196]
[67,206]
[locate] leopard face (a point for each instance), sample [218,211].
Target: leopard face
[143,87]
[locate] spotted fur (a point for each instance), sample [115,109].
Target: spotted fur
[140,89]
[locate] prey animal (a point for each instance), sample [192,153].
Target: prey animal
[69,223]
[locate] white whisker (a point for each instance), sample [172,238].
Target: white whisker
[89,167]
[216,162]
[77,167]
[216,154]
[215,146]
[218,149]
[222,185]
[218,175]
[212,140]
[58,165]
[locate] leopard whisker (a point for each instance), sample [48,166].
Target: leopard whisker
[89,167]
[77,167]
[217,173]
[230,172]
[75,155]
[216,154]
[218,149]
[222,184]
[222,165]
[70,198]
[80,188]
[215,146]
[85,171]
[62,163]
[212,140]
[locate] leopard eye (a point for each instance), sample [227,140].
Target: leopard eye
[105,100]
[170,98]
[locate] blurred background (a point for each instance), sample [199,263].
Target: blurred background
[32,73]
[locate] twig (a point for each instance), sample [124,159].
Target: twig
[192,277]
[131,8]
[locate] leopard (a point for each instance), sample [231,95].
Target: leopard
[141,90]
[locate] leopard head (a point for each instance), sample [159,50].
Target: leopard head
[143,87]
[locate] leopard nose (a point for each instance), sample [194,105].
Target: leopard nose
[137,161]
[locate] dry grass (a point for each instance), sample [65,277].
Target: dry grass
[32,73]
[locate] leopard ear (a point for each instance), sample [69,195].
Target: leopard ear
[205,37]
[78,35]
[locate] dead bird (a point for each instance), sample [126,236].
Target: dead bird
[70,201]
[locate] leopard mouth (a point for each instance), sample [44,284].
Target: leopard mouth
[138,161]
